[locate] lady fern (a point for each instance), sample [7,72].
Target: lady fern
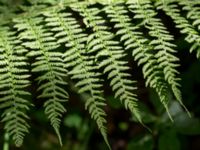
[162,43]
[13,83]
[142,53]
[85,41]
[83,69]
[193,11]
[48,64]
[101,42]
[186,27]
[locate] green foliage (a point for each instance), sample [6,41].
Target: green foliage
[48,64]
[13,82]
[192,35]
[62,42]
[101,42]
[141,51]
[83,69]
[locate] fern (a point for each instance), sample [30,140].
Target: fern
[141,51]
[13,82]
[56,39]
[193,11]
[49,64]
[162,42]
[101,42]
[70,33]
[193,36]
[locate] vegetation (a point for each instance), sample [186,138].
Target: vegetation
[52,49]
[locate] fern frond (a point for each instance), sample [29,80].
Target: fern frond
[162,42]
[48,64]
[193,11]
[193,37]
[101,42]
[13,82]
[133,40]
[69,32]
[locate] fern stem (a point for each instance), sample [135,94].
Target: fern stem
[6,141]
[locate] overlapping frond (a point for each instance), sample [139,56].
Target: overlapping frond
[48,65]
[86,40]
[69,32]
[142,53]
[162,42]
[193,36]
[13,82]
[193,10]
[101,43]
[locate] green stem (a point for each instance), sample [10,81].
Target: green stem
[6,141]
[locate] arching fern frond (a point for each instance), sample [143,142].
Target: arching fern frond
[172,10]
[142,53]
[101,42]
[48,65]
[13,82]
[69,32]
[162,42]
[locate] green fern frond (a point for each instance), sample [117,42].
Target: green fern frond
[193,10]
[13,83]
[69,32]
[48,64]
[162,43]
[101,42]
[133,40]
[193,36]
